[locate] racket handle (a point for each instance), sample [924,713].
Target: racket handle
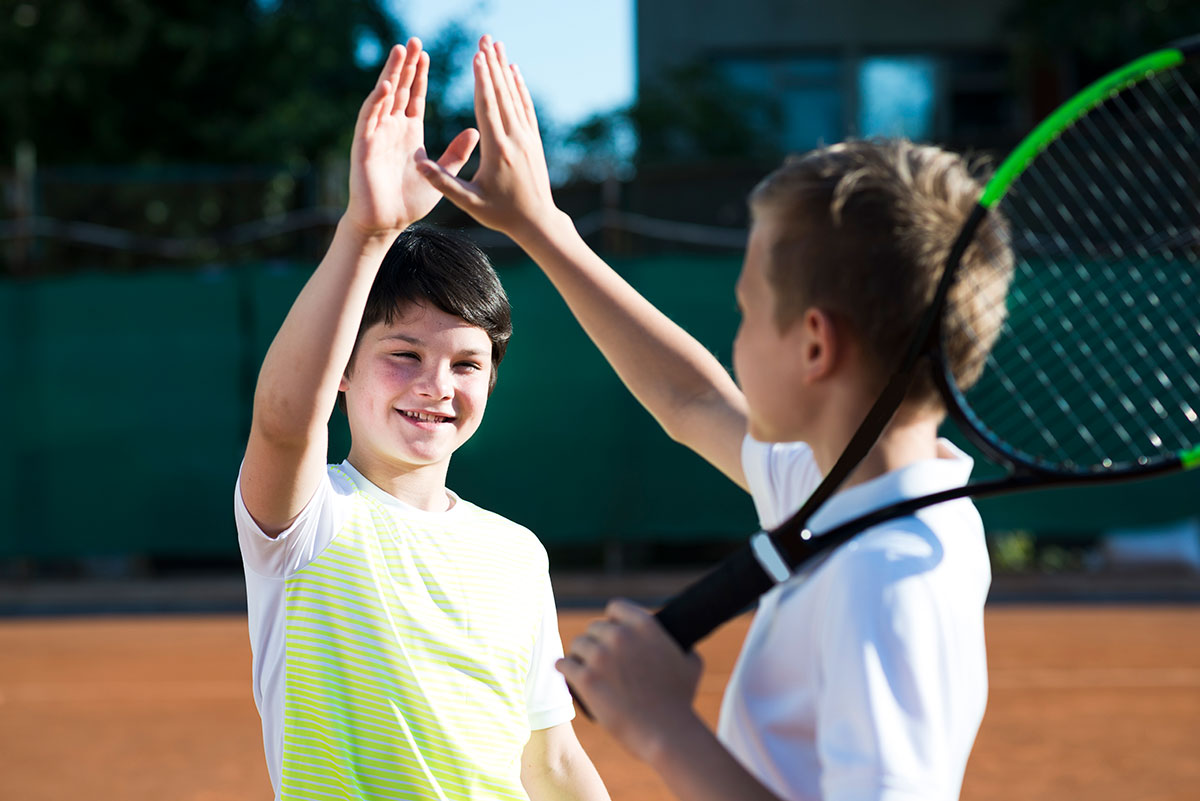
[717,597]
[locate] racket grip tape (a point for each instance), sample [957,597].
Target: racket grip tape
[717,597]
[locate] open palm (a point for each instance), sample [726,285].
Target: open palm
[386,191]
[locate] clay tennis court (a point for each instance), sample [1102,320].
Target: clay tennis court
[1088,702]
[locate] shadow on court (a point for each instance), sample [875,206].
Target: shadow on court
[1098,702]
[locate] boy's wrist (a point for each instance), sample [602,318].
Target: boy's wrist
[368,237]
[545,230]
[670,735]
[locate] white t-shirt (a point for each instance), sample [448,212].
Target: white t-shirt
[399,653]
[864,676]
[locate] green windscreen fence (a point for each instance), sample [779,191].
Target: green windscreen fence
[126,403]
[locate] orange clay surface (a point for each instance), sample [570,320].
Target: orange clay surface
[1087,702]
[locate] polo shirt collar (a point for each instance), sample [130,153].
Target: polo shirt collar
[950,469]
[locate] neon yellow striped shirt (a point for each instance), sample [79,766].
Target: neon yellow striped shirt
[399,654]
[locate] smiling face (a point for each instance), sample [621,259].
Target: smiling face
[416,389]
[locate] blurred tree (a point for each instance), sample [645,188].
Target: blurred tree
[600,147]
[694,115]
[446,115]
[1093,36]
[697,114]
[137,81]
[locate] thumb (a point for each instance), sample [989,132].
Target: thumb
[453,188]
[459,150]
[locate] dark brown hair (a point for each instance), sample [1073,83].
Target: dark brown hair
[445,269]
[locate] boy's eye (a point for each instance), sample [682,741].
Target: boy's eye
[470,366]
[405,354]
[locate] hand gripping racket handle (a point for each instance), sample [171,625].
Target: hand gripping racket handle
[717,597]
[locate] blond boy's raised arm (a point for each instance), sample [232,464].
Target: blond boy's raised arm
[669,371]
[675,377]
[301,373]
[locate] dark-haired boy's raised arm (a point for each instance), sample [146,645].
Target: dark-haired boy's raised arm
[301,373]
[675,377]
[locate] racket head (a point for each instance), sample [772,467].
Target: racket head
[1081,283]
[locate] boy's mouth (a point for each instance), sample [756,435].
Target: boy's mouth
[427,417]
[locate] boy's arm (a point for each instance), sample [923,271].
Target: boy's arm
[671,374]
[554,767]
[640,686]
[302,371]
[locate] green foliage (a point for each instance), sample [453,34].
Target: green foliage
[696,114]
[230,81]
[1103,34]
[601,147]
[1012,551]
[449,55]
[1026,552]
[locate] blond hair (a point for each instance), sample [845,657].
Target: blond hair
[867,226]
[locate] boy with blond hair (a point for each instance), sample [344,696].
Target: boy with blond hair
[403,639]
[864,676]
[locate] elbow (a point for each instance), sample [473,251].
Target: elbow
[280,423]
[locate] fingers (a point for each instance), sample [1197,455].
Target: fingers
[526,99]
[416,101]
[622,624]
[585,659]
[487,114]
[391,67]
[453,188]
[459,151]
[368,114]
[500,75]
[520,110]
[406,75]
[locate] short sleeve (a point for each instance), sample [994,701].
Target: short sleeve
[300,543]
[547,698]
[781,475]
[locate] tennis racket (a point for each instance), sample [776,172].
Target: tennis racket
[1095,375]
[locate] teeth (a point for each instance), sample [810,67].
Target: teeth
[427,418]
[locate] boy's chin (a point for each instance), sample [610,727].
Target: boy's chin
[424,458]
[762,433]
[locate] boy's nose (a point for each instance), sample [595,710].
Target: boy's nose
[436,382]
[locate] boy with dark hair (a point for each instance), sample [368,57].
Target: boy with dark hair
[403,639]
[863,677]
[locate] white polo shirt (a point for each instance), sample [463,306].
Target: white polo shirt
[864,676]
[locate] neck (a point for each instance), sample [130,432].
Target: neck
[907,438]
[422,486]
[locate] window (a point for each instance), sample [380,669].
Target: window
[808,89]
[897,96]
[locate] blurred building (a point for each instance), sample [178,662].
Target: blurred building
[932,70]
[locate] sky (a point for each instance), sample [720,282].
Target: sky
[576,55]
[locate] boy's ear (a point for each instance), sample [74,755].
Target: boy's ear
[818,344]
[344,382]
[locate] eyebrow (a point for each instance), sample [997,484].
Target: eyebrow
[420,343]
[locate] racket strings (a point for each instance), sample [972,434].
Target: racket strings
[1015,376]
[1097,362]
[1160,224]
[1135,192]
[1015,373]
[1071,341]
[1130,366]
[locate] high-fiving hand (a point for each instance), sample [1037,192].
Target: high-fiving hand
[386,192]
[510,191]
